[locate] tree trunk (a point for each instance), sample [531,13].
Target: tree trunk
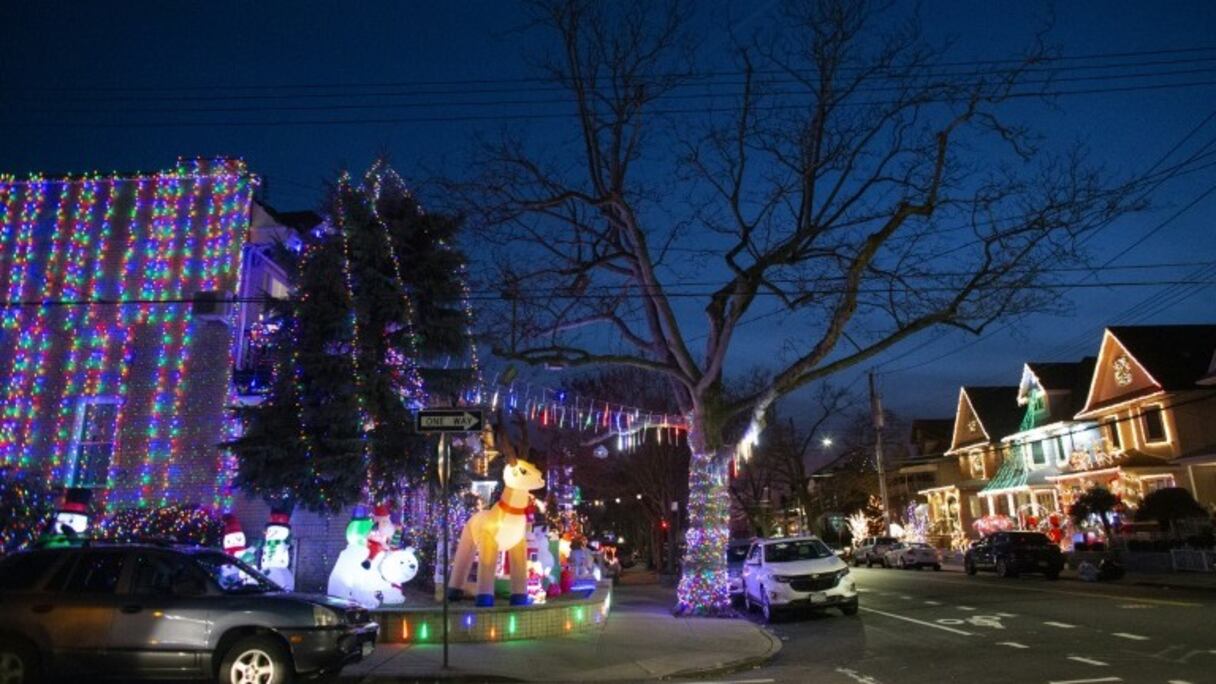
[703,588]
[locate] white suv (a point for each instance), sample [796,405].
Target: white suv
[798,572]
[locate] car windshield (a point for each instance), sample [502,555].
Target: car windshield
[802,549]
[1029,539]
[736,554]
[233,576]
[919,546]
[885,540]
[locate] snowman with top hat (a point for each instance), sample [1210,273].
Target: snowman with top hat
[275,560]
[71,518]
[234,540]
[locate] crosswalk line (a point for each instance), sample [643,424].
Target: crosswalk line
[1133,637]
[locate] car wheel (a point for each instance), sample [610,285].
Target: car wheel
[849,608]
[766,609]
[937,567]
[256,660]
[969,566]
[18,663]
[1003,569]
[869,562]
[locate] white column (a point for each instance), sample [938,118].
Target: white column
[991,506]
[1013,507]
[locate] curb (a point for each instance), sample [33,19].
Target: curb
[740,665]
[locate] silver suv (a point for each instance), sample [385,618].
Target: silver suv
[127,611]
[872,549]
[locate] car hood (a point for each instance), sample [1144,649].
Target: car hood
[323,600]
[808,567]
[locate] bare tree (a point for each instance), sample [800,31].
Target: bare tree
[854,184]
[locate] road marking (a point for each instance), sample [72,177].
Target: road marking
[1011,644]
[906,598]
[1085,681]
[1134,605]
[1133,637]
[917,622]
[1179,681]
[1061,625]
[855,676]
[991,621]
[1088,661]
[933,603]
[741,681]
[863,591]
[1006,615]
[1064,592]
[965,608]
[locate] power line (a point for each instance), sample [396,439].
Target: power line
[485,295]
[466,118]
[670,74]
[986,75]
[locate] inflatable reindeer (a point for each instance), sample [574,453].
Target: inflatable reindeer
[501,527]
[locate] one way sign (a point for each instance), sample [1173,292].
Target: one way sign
[450,420]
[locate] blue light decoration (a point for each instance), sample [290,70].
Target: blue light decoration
[98,273]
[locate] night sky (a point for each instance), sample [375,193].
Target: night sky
[161,51]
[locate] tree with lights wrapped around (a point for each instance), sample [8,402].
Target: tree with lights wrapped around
[375,328]
[821,203]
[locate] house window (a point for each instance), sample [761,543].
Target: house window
[93,441]
[1154,424]
[1062,453]
[974,506]
[1112,433]
[976,462]
[1038,454]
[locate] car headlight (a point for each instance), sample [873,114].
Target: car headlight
[841,573]
[784,579]
[324,617]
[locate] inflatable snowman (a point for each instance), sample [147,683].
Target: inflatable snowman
[366,571]
[234,540]
[71,519]
[276,551]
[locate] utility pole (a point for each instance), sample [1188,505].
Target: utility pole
[876,410]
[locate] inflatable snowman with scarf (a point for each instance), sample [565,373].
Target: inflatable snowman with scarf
[276,551]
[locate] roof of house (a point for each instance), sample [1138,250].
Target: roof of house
[997,408]
[930,437]
[1177,356]
[1072,377]
[300,220]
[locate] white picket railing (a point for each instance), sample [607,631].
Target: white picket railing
[1193,560]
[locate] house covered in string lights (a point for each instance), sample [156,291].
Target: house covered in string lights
[126,317]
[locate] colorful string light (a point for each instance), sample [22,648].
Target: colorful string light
[154,236]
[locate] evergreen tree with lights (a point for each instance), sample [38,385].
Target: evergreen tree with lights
[377,326]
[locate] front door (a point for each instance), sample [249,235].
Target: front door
[161,627]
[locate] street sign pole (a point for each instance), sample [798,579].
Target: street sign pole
[444,472]
[443,421]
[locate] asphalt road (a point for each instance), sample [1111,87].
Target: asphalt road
[930,627]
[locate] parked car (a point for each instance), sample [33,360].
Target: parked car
[871,550]
[907,555]
[736,553]
[1011,553]
[796,572]
[149,611]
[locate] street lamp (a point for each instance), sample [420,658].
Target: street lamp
[826,442]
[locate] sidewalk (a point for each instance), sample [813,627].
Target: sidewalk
[640,640]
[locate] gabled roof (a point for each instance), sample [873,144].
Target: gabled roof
[997,408]
[1059,378]
[994,409]
[1177,356]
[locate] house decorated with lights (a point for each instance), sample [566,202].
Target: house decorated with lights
[984,415]
[125,323]
[1156,418]
[1049,396]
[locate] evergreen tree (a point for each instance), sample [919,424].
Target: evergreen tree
[377,327]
